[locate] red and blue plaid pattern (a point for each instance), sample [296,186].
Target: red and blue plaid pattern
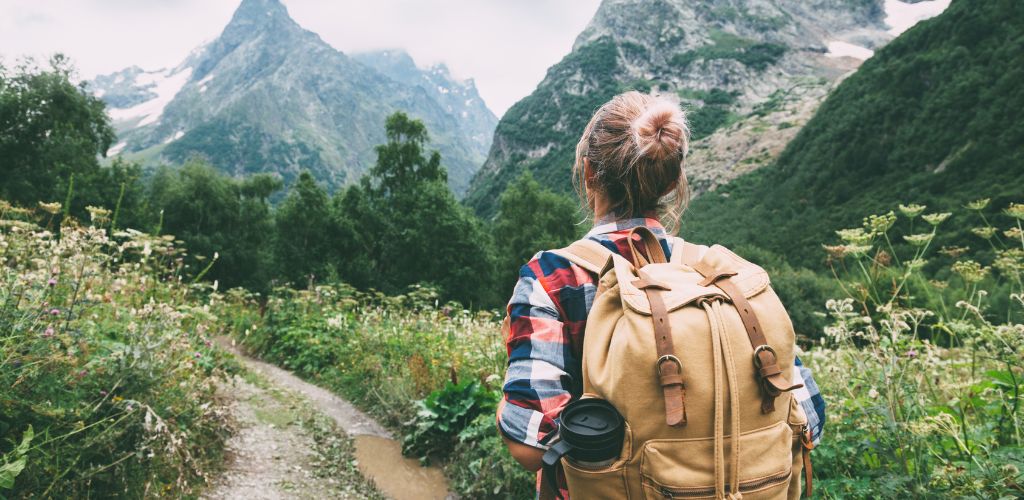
[547,318]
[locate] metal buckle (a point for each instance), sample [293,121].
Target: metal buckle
[668,357]
[757,351]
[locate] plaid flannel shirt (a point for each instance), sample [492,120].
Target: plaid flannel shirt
[547,318]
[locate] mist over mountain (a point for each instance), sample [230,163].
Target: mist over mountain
[270,96]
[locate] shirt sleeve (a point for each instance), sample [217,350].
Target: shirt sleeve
[535,389]
[811,400]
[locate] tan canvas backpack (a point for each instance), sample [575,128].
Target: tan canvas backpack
[692,353]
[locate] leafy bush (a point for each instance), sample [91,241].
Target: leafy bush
[443,416]
[482,468]
[106,355]
[911,418]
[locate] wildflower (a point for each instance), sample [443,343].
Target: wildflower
[52,282]
[856,235]
[919,240]
[858,250]
[103,393]
[118,399]
[50,208]
[912,354]
[98,215]
[198,355]
[49,332]
[970,271]
[912,210]
[953,251]
[978,204]
[984,232]
[879,224]
[873,393]
[837,251]
[54,312]
[82,373]
[1015,210]
[1014,233]
[936,219]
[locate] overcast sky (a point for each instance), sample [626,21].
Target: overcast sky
[505,45]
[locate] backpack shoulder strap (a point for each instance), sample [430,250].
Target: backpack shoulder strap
[586,253]
[684,252]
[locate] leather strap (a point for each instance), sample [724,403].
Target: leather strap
[807,445]
[654,253]
[770,377]
[668,366]
[586,253]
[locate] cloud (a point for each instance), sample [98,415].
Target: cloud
[506,46]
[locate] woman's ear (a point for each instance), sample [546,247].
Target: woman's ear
[588,171]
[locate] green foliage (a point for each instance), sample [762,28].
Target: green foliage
[106,355]
[303,248]
[910,418]
[14,462]
[482,468]
[728,46]
[50,131]
[531,219]
[404,225]
[443,416]
[218,218]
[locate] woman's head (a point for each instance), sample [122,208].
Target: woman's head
[631,157]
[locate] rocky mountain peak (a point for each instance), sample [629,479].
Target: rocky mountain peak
[258,13]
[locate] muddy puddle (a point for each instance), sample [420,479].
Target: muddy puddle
[380,460]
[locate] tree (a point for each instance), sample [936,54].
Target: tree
[530,219]
[217,215]
[50,130]
[303,246]
[402,225]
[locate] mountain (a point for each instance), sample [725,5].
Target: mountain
[270,96]
[751,73]
[931,119]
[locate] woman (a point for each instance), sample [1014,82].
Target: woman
[629,173]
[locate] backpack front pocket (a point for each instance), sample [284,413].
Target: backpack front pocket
[600,484]
[685,468]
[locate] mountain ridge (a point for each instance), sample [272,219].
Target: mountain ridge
[269,96]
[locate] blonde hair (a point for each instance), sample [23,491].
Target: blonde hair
[636,144]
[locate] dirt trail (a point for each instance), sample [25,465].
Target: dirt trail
[273,460]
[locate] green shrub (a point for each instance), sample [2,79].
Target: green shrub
[106,355]
[442,416]
[482,468]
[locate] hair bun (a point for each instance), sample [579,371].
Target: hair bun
[660,131]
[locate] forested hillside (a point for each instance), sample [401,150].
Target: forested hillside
[930,119]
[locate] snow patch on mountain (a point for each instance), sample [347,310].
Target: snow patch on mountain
[838,48]
[901,16]
[165,84]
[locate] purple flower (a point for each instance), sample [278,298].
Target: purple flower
[52,282]
[82,373]
[198,355]
[912,353]
[54,311]
[49,332]
[103,393]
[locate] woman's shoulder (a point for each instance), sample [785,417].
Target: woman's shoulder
[555,271]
